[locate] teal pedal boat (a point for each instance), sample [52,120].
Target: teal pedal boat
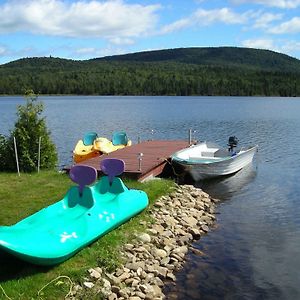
[57,232]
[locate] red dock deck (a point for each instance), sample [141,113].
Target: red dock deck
[154,159]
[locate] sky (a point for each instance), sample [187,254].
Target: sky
[84,29]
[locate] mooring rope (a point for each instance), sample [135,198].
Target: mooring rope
[59,277]
[3,291]
[174,171]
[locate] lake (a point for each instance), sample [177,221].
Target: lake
[254,251]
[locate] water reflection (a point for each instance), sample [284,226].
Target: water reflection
[223,188]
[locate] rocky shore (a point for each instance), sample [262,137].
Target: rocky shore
[154,257]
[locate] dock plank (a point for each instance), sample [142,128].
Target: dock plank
[155,156]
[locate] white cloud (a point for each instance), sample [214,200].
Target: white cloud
[291,26]
[97,52]
[279,45]
[264,20]
[259,43]
[85,51]
[107,19]
[291,46]
[202,17]
[272,3]
[3,50]
[121,41]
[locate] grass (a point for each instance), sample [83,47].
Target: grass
[24,195]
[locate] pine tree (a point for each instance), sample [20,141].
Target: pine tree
[29,128]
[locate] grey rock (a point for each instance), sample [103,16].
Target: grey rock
[88,284]
[145,238]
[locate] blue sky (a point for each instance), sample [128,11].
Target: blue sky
[83,29]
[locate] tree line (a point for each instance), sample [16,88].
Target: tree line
[145,78]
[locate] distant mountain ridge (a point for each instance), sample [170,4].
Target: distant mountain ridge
[181,71]
[215,56]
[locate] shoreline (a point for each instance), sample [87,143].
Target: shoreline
[153,258]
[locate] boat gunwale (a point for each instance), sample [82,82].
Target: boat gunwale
[213,160]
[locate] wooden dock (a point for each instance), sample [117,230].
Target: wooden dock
[153,160]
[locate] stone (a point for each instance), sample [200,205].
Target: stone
[124,276]
[195,233]
[205,228]
[181,250]
[115,289]
[94,274]
[160,253]
[144,237]
[112,296]
[88,284]
[140,294]
[171,276]
[191,221]
[113,279]
[134,266]
[106,286]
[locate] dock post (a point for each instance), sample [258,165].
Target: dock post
[140,158]
[39,154]
[190,137]
[16,154]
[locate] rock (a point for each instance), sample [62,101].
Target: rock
[124,293]
[180,250]
[113,279]
[115,289]
[205,228]
[140,294]
[157,253]
[197,251]
[195,233]
[88,284]
[171,276]
[134,266]
[145,238]
[161,271]
[124,276]
[106,289]
[160,253]
[112,296]
[190,221]
[95,274]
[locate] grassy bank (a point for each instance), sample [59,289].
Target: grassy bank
[24,195]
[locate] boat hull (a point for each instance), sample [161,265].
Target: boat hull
[83,152]
[209,169]
[57,232]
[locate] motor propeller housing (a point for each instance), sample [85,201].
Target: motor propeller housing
[232,143]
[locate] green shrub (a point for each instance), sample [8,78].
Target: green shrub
[29,127]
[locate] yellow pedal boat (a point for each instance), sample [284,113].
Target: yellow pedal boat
[85,148]
[119,141]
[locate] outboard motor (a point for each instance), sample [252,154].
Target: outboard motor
[232,143]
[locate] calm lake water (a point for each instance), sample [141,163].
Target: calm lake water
[254,251]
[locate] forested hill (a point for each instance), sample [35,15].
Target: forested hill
[183,71]
[249,58]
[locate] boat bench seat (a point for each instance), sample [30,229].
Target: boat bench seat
[208,153]
[221,153]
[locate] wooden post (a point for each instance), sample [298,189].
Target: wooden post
[39,154]
[190,137]
[16,155]
[140,160]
